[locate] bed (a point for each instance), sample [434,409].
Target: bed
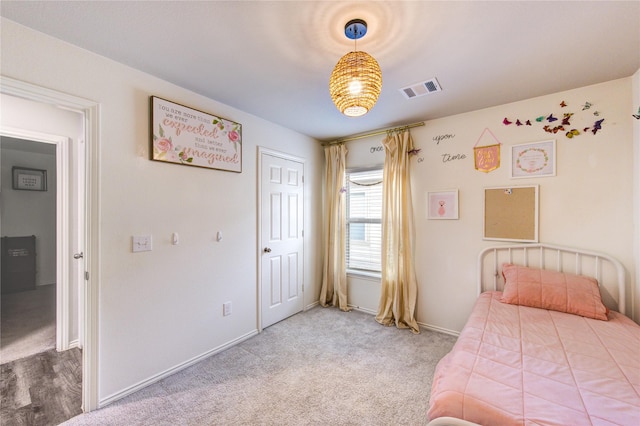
[556,354]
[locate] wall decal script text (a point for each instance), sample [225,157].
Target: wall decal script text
[451,157]
[444,137]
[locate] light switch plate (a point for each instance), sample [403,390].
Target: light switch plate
[226,308]
[141,243]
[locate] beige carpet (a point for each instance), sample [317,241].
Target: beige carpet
[320,367]
[28,323]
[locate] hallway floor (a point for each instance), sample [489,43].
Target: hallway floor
[42,389]
[38,385]
[27,323]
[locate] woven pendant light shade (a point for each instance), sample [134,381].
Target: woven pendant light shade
[355,83]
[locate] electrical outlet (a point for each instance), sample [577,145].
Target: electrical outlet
[226,309]
[141,243]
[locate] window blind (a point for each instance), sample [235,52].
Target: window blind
[364,220]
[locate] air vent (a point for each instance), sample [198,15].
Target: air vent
[421,89]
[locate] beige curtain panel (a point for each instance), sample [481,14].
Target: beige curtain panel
[334,272]
[399,291]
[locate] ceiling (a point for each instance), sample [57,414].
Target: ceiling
[273,59]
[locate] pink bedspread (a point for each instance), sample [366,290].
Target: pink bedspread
[515,365]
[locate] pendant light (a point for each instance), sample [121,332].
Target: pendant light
[356,80]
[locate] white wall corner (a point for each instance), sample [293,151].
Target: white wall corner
[635,90]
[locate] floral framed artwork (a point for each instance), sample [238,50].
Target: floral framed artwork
[442,204]
[27,179]
[536,159]
[184,135]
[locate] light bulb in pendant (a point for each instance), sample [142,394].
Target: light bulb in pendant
[355,87]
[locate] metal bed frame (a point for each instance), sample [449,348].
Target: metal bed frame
[607,270]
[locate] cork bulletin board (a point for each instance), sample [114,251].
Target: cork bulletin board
[511,213]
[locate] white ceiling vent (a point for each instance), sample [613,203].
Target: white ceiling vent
[421,89]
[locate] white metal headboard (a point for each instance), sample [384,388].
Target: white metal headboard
[608,271]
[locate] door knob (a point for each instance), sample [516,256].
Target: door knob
[78,255]
[267,250]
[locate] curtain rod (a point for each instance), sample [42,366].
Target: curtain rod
[374,133]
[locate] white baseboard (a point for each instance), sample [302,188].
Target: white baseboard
[144,383]
[439,329]
[365,310]
[313,305]
[421,324]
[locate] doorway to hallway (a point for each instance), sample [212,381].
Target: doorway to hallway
[34,111]
[41,300]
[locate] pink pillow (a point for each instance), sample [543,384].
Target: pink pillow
[557,291]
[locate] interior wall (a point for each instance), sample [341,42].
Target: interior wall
[585,205]
[162,308]
[25,213]
[635,108]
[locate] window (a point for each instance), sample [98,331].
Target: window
[364,220]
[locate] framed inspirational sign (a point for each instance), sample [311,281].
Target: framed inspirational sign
[27,179]
[183,135]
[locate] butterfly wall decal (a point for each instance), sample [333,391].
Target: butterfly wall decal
[637,116]
[566,117]
[573,132]
[597,126]
[556,129]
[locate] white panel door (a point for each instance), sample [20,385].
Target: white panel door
[281,221]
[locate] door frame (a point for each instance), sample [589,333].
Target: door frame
[63,225]
[90,111]
[260,244]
